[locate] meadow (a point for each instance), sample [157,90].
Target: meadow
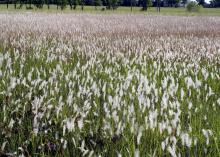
[85,84]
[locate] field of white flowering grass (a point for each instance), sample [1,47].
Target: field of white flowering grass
[109,85]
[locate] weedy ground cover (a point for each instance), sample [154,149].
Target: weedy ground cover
[109,85]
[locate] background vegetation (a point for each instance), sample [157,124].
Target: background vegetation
[107,4]
[119,10]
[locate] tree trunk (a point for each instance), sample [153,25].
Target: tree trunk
[144,5]
[30,2]
[15,4]
[82,7]
[48,4]
[158,5]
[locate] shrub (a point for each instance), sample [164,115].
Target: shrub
[39,3]
[193,7]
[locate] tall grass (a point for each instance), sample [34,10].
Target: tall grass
[109,85]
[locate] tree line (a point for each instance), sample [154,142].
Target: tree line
[107,4]
[73,4]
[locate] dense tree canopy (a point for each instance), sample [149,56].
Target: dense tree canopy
[108,4]
[215,3]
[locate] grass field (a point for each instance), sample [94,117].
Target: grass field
[109,85]
[91,9]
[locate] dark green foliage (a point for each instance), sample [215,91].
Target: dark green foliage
[193,7]
[75,3]
[62,4]
[173,3]
[39,3]
[184,2]
[15,4]
[48,3]
[112,4]
[29,6]
[146,4]
[97,3]
[215,3]
[22,2]
[131,2]
[201,2]
[158,5]
[71,4]
[82,2]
